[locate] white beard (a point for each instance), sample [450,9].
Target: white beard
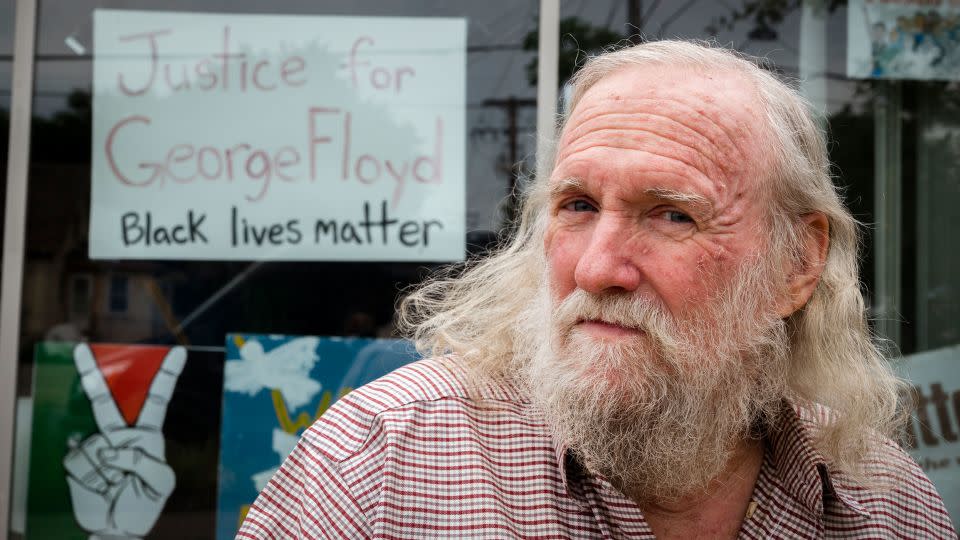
[661,414]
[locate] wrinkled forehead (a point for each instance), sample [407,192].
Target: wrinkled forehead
[719,106]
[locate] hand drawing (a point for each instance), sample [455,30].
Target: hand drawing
[119,478]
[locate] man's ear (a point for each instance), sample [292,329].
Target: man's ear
[806,274]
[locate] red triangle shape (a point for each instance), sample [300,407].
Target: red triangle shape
[128,371]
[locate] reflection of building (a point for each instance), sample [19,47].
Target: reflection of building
[65,294]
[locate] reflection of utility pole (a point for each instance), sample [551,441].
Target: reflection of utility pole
[512,105]
[635,20]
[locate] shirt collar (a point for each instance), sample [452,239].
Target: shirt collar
[571,472]
[801,468]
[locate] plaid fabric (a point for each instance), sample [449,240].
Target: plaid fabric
[412,455]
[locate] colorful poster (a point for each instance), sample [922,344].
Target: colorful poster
[124,441]
[263,137]
[934,430]
[274,388]
[904,39]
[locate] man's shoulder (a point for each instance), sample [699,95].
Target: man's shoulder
[904,490]
[886,463]
[893,493]
[900,497]
[427,390]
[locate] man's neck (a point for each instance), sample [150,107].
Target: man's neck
[717,512]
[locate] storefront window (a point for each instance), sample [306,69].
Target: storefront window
[143,301]
[196,215]
[894,141]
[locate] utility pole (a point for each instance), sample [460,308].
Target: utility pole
[635,20]
[511,105]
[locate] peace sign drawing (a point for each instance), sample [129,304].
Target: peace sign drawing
[119,479]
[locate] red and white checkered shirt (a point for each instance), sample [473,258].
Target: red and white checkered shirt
[414,455]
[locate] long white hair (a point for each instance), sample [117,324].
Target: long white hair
[833,361]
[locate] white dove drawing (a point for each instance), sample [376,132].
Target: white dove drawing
[285,368]
[283,444]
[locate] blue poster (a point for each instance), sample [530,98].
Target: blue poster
[274,387]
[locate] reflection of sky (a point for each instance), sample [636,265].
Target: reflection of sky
[492,73]
[496,67]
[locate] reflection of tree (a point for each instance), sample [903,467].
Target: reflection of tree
[577,37]
[766,13]
[64,137]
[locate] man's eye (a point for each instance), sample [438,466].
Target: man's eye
[677,217]
[579,205]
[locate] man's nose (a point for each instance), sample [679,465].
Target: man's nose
[608,264]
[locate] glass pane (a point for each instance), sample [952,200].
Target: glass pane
[937,290]
[901,135]
[149,307]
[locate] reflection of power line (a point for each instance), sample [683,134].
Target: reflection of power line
[610,14]
[88,57]
[495,132]
[68,93]
[488,48]
[40,94]
[649,11]
[673,17]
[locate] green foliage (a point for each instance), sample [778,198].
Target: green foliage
[65,137]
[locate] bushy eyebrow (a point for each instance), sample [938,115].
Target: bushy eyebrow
[699,204]
[565,187]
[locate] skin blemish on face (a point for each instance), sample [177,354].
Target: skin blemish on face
[720,254]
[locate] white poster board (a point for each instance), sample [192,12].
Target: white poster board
[242,137]
[935,426]
[906,39]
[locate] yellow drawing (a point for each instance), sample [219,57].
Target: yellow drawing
[304,420]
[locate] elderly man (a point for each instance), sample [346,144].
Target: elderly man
[672,346]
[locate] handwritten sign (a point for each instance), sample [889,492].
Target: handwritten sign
[277,137]
[934,431]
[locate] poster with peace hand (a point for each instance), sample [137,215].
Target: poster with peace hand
[124,441]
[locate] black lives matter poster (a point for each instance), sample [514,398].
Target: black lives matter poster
[257,137]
